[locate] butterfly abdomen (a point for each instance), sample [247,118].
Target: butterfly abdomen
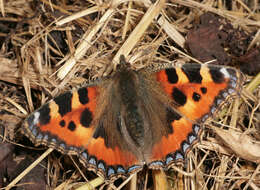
[130,106]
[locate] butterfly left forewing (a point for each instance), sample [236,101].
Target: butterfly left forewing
[61,122]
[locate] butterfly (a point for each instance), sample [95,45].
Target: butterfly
[118,124]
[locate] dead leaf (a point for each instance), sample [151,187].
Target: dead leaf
[205,41]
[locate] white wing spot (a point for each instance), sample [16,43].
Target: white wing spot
[36,118]
[224,71]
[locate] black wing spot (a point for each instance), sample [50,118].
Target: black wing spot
[172,75]
[196,97]
[64,103]
[101,133]
[86,118]
[83,95]
[171,116]
[62,123]
[216,75]
[44,115]
[192,72]
[71,126]
[179,97]
[203,90]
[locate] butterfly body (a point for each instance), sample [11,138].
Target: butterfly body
[133,118]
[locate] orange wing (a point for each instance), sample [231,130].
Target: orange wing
[66,124]
[198,91]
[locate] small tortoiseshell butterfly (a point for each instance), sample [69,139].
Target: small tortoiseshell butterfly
[120,123]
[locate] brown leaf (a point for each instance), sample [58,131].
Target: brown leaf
[206,41]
